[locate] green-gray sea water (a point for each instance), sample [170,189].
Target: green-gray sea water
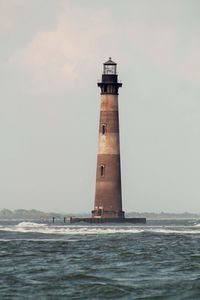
[159,260]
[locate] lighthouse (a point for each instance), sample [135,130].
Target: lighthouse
[108,193]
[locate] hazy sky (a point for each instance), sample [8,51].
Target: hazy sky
[51,55]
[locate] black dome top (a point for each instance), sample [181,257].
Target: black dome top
[110,62]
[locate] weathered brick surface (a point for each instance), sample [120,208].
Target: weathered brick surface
[108,196]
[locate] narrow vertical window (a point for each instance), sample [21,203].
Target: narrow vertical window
[103,129]
[102,170]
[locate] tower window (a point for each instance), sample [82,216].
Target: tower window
[103,129]
[102,170]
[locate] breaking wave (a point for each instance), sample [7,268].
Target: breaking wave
[32,227]
[60,229]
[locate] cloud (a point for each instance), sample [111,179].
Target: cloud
[57,58]
[54,60]
[9,11]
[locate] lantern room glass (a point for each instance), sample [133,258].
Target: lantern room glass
[110,69]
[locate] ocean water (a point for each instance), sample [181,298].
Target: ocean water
[41,260]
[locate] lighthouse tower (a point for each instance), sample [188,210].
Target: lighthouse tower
[108,195]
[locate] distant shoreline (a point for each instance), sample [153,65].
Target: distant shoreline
[37,214]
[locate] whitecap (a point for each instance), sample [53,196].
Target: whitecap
[24,227]
[174,231]
[31,227]
[30,224]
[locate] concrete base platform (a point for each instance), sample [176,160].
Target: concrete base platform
[108,220]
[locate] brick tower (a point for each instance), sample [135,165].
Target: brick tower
[108,196]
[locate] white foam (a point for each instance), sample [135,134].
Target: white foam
[31,227]
[82,230]
[174,231]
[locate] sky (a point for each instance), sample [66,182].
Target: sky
[51,55]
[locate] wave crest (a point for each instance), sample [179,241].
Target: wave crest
[30,225]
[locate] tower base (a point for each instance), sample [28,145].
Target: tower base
[108,220]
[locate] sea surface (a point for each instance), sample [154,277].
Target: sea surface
[41,260]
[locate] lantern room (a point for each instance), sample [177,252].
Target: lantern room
[110,67]
[109,83]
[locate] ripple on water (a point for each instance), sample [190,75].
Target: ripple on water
[90,262]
